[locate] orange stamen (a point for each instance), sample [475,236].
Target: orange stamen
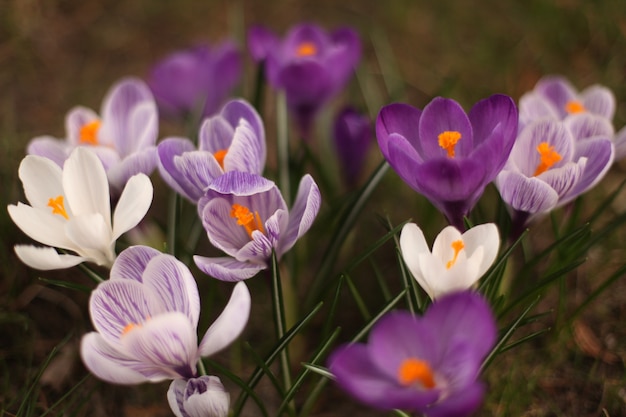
[306,49]
[129,327]
[548,157]
[89,133]
[574,106]
[220,155]
[457,246]
[448,140]
[247,219]
[414,371]
[58,207]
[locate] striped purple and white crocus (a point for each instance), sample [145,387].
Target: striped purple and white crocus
[246,216]
[146,318]
[233,140]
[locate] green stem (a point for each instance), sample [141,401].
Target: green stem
[282,127]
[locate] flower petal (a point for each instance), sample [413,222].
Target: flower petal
[599,100]
[42,180]
[227,268]
[599,153]
[86,185]
[302,214]
[46,258]
[132,262]
[246,152]
[530,195]
[92,236]
[49,147]
[167,150]
[487,237]
[400,119]
[45,228]
[143,161]
[442,115]
[132,205]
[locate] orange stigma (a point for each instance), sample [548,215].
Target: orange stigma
[457,246]
[89,133]
[414,371]
[58,207]
[306,49]
[247,219]
[574,106]
[129,327]
[548,157]
[448,140]
[220,155]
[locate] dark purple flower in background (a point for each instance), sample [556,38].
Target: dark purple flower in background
[246,216]
[352,135]
[309,64]
[426,364]
[196,80]
[445,154]
[233,140]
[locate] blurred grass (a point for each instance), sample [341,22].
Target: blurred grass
[56,54]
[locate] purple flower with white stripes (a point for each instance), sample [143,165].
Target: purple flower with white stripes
[246,216]
[123,135]
[233,140]
[146,318]
[203,396]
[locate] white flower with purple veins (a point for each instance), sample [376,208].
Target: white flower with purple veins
[146,318]
[245,216]
[123,135]
[204,396]
[70,209]
[233,140]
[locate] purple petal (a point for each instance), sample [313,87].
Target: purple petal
[587,125]
[131,263]
[600,154]
[526,194]
[236,110]
[246,153]
[54,149]
[241,184]
[198,169]
[143,161]
[564,178]
[302,214]
[227,269]
[620,144]
[450,179]
[558,90]
[225,75]
[599,100]
[442,115]
[261,42]
[462,403]
[533,106]
[400,119]
[216,134]
[108,363]
[222,229]
[198,397]
[344,55]
[167,150]
[257,250]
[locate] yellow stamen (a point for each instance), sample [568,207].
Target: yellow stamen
[306,49]
[247,219]
[548,157]
[129,327]
[220,155]
[574,106]
[58,207]
[448,140]
[89,133]
[414,371]
[457,246]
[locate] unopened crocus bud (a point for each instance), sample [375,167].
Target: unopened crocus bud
[352,134]
[204,396]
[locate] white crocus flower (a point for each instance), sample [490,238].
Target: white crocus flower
[70,209]
[457,260]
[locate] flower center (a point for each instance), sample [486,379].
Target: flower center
[574,106]
[548,157]
[250,221]
[306,49]
[414,371]
[132,326]
[457,246]
[89,133]
[220,155]
[448,140]
[58,207]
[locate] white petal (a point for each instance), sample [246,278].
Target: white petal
[442,248]
[85,184]
[229,324]
[41,178]
[133,204]
[412,245]
[92,237]
[45,228]
[45,258]
[487,237]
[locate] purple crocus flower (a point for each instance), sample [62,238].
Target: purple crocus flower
[352,133]
[553,162]
[309,64]
[426,364]
[196,80]
[445,154]
[233,140]
[203,396]
[246,216]
[123,135]
[146,316]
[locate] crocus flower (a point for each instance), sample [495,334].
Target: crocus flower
[123,135]
[309,65]
[196,80]
[427,365]
[233,140]
[246,216]
[203,396]
[146,318]
[555,97]
[71,210]
[445,154]
[553,162]
[457,260]
[352,134]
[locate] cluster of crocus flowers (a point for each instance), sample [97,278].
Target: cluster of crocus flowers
[445,154]
[246,217]
[70,209]
[233,140]
[195,81]
[309,65]
[456,262]
[146,317]
[427,364]
[123,135]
